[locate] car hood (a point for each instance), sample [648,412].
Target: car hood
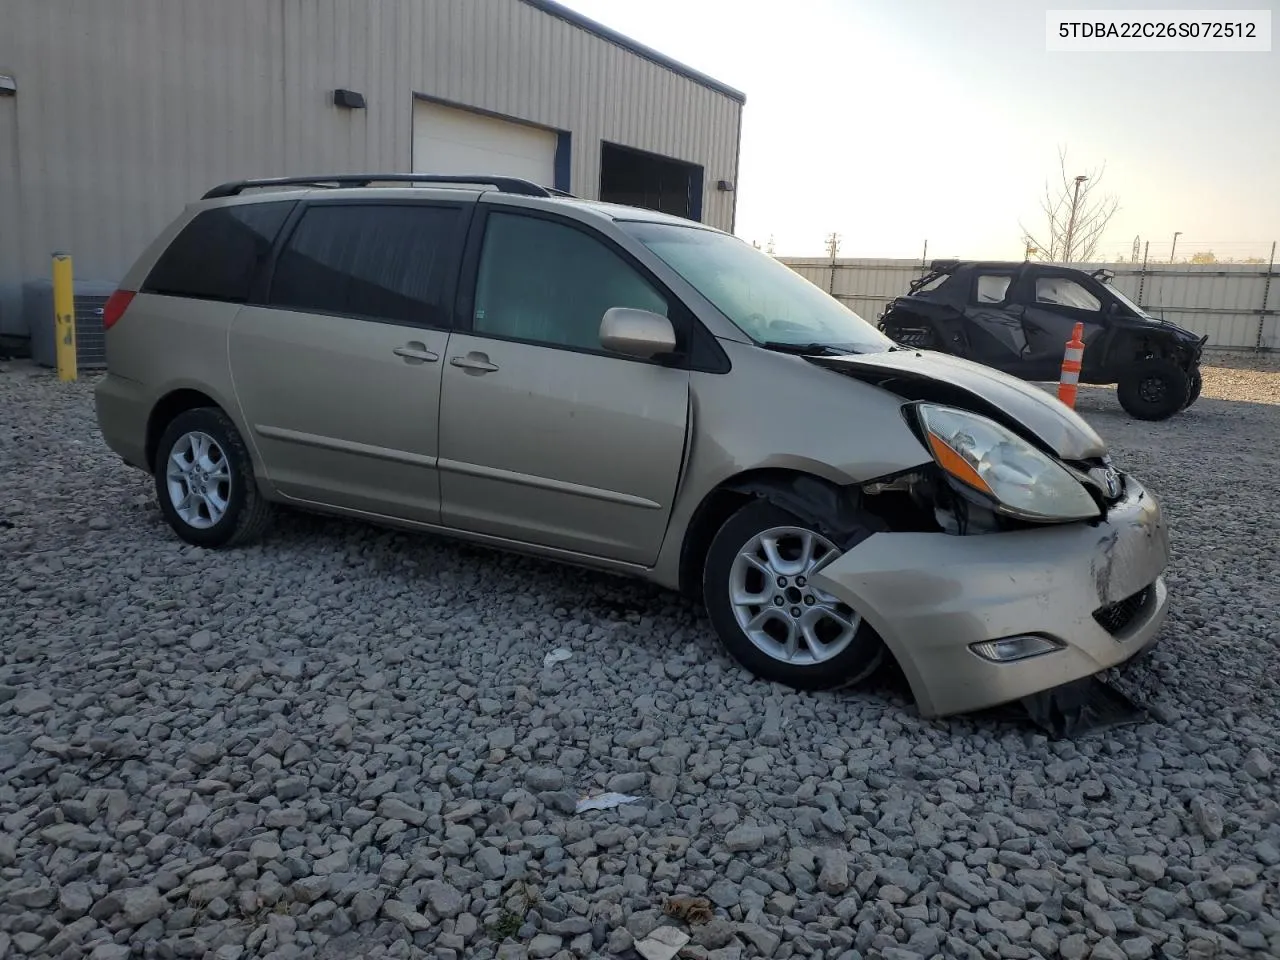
[940,378]
[1182,333]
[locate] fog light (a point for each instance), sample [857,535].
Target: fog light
[1014,648]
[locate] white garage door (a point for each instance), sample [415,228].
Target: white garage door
[447,140]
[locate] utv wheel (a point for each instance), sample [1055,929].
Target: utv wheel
[205,483]
[1196,383]
[771,619]
[1154,389]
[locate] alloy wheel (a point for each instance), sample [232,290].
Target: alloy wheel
[777,606]
[198,480]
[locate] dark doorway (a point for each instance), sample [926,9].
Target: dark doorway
[647,180]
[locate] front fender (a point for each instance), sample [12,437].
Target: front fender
[780,413]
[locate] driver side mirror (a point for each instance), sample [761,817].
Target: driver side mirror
[637,333]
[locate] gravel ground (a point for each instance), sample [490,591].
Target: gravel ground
[344,742]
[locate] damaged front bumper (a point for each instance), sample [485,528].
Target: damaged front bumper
[1095,590]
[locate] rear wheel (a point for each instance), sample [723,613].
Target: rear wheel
[770,617]
[204,481]
[1154,389]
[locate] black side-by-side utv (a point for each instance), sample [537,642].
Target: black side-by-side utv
[1018,317]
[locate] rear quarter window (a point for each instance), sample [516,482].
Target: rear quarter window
[217,255]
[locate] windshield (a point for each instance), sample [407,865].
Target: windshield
[765,299]
[930,282]
[1119,295]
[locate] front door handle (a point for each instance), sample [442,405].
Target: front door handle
[416,352]
[474,361]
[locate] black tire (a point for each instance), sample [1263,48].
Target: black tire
[1196,383]
[856,661]
[247,513]
[1154,389]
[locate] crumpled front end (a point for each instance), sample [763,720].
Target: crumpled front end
[1085,596]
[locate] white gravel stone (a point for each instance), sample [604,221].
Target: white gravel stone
[743,838]
[404,913]
[343,741]
[29,702]
[1257,764]
[140,904]
[1148,866]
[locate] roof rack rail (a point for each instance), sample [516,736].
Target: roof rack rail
[503,184]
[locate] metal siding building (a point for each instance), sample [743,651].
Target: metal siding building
[125,111]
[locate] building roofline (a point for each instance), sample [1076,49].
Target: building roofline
[562,12]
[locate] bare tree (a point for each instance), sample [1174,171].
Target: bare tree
[1076,216]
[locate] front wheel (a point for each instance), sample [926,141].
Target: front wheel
[767,613]
[204,481]
[1154,389]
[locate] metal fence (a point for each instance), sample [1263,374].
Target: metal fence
[1236,304]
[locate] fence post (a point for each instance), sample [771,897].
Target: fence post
[64,316]
[1142,275]
[1266,293]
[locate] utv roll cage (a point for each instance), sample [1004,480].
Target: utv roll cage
[940,268]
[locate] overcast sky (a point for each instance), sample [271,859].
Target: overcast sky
[892,123]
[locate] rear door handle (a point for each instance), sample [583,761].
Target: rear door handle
[413,351]
[478,362]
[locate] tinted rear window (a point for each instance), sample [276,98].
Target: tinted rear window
[377,261]
[217,254]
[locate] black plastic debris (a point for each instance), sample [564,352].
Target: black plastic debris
[835,512]
[1082,707]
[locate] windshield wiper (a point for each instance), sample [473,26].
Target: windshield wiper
[803,348]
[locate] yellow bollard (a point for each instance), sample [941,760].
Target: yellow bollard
[64,316]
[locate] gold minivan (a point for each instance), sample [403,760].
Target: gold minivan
[610,386]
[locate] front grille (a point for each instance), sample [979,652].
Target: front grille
[1115,617]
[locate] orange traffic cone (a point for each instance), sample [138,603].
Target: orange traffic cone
[1071,361]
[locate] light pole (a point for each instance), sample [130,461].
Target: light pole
[1176,235]
[1071,223]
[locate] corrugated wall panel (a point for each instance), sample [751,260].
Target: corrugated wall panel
[129,110]
[1270,339]
[122,121]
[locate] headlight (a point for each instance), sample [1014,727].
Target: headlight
[985,456]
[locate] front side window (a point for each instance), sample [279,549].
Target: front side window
[217,255]
[1065,293]
[763,298]
[551,283]
[376,261]
[992,288]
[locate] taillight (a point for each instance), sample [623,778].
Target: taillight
[115,307]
